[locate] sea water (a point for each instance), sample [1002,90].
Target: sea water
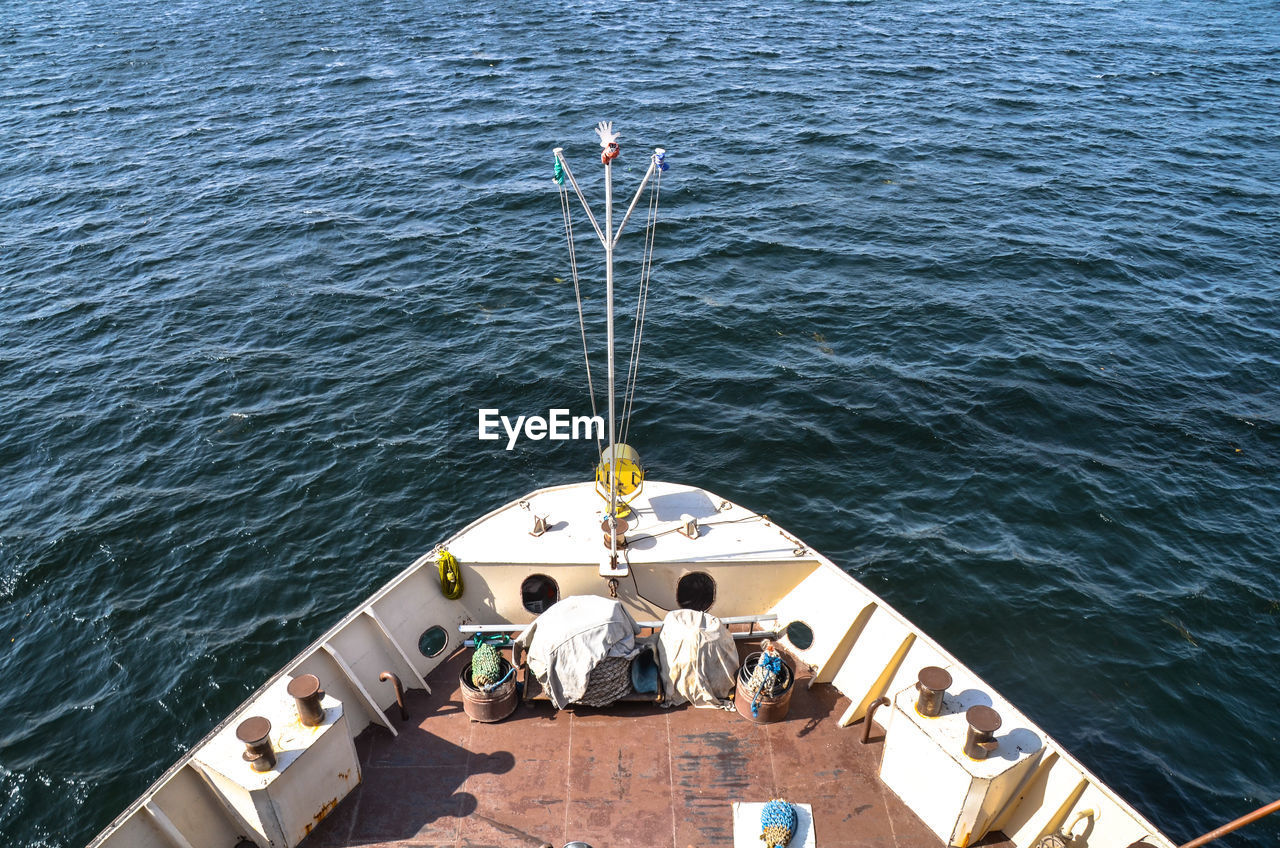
[979,299]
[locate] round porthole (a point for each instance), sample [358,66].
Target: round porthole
[800,634]
[432,641]
[538,592]
[696,591]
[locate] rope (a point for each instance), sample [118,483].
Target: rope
[642,302]
[486,665]
[766,677]
[450,575]
[490,687]
[646,271]
[577,291]
[764,680]
[778,823]
[608,680]
[486,662]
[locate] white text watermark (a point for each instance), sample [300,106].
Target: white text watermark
[559,425]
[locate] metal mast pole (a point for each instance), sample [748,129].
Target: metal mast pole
[609,240]
[608,309]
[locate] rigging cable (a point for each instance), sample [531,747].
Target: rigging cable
[642,302]
[577,293]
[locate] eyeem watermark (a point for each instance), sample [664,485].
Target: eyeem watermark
[558,426]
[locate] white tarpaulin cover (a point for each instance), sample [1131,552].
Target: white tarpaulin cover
[566,642]
[699,659]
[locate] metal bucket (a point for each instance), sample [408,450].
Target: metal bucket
[771,707]
[488,706]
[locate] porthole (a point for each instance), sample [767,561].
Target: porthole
[538,592]
[800,635]
[432,641]
[696,591]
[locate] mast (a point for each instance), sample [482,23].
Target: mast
[608,138]
[609,239]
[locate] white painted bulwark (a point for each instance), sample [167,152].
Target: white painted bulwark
[924,762]
[1028,788]
[315,768]
[727,532]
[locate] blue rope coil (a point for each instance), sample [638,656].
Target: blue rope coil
[778,823]
[772,664]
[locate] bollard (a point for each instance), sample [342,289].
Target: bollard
[980,741]
[932,682]
[255,733]
[307,693]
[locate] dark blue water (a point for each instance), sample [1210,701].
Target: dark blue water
[980,299]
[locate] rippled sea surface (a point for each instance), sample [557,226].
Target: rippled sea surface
[980,299]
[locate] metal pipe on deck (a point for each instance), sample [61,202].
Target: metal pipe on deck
[871,711]
[399,687]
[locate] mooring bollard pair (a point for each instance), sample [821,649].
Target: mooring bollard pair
[255,731]
[980,741]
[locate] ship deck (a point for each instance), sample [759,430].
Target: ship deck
[628,775]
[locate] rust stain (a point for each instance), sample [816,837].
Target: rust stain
[621,777]
[324,811]
[728,760]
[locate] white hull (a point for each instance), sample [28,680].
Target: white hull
[861,646]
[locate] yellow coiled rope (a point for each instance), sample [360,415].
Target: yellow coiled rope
[450,575]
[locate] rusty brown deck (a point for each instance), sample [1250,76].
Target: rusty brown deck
[628,775]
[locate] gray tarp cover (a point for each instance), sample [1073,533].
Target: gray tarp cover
[566,642]
[699,659]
